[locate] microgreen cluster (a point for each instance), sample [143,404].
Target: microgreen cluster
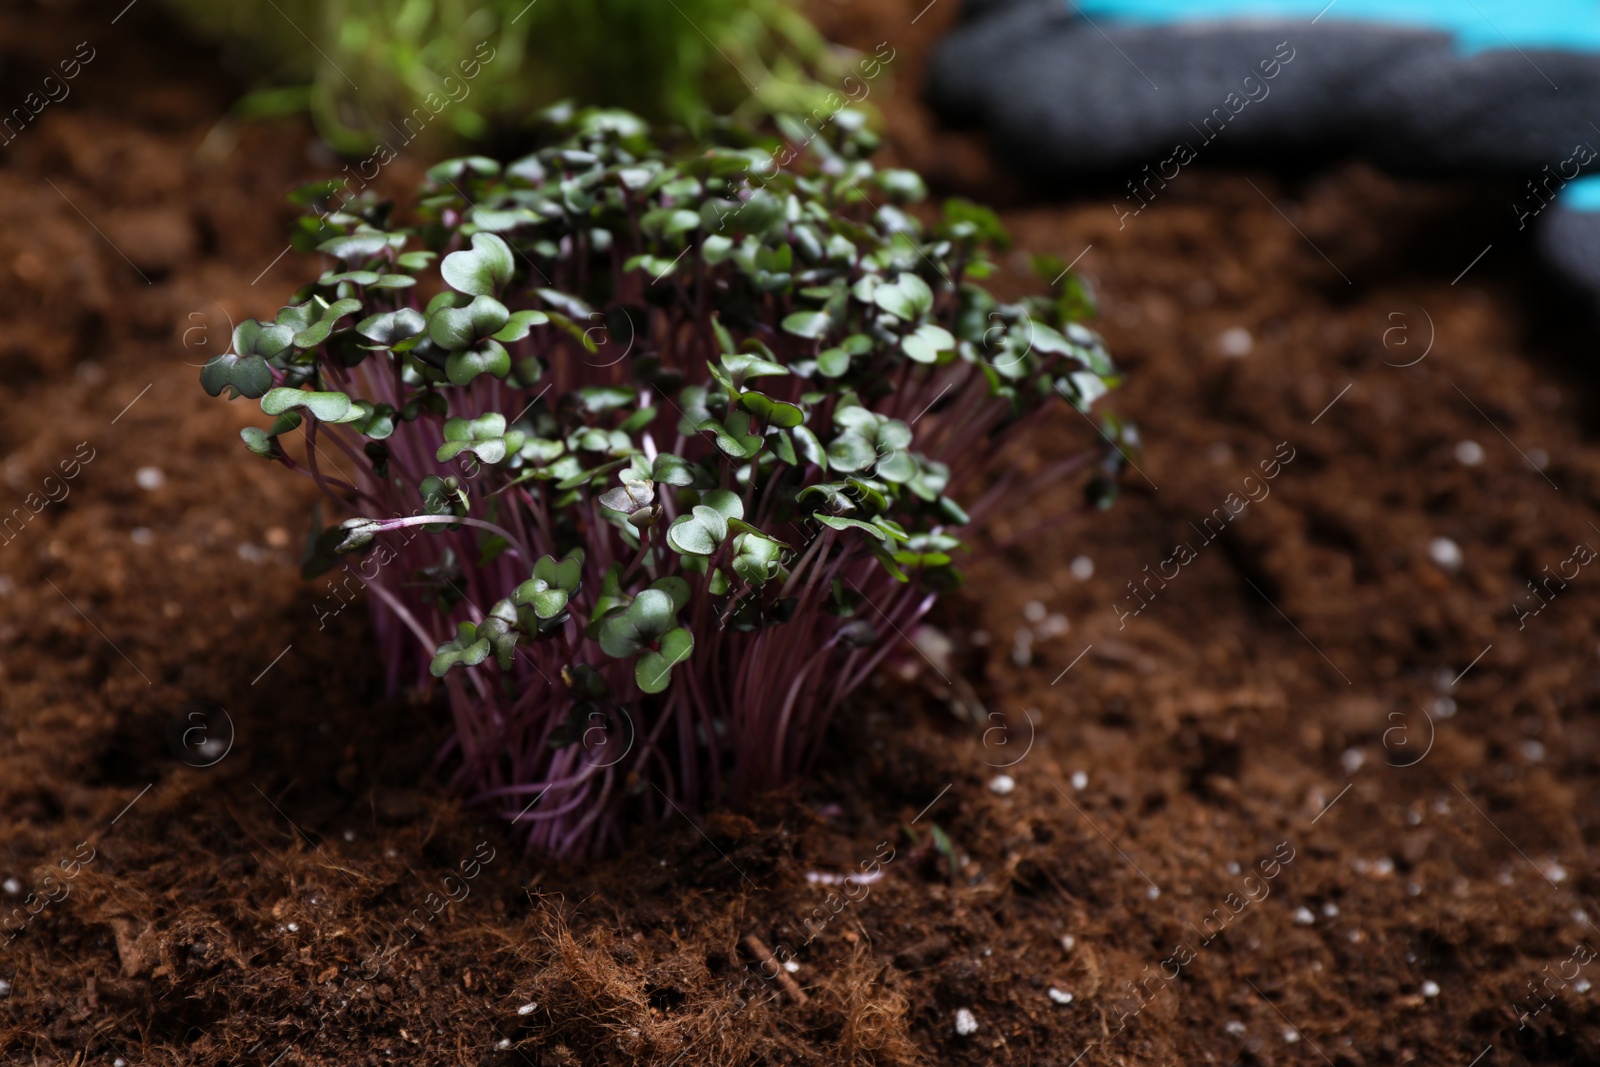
[671,460]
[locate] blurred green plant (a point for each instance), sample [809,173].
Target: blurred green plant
[362,66]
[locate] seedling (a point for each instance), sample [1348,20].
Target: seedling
[642,438]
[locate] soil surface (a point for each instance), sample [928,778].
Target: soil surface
[1322,791]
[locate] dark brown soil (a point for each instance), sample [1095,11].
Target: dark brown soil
[1312,695]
